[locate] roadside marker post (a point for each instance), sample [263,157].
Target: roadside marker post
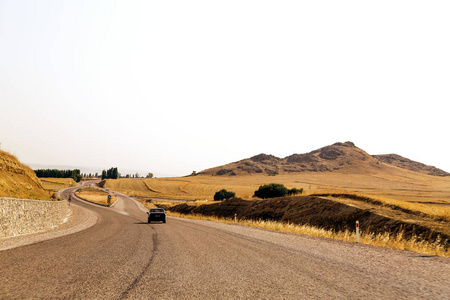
[235,218]
[357,231]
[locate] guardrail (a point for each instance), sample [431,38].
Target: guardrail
[25,216]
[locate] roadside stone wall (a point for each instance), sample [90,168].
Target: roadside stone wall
[24,216]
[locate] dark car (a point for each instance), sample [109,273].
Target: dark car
[157,214]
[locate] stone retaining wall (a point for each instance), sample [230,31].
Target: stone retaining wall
[24,216]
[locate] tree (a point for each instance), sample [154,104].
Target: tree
[223,194]
[54,173]
[271,191]
[149,175]
[111,173]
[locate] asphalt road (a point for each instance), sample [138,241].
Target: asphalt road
[123,257]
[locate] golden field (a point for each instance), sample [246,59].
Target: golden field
[406,189]
[400,184]
[95,195]
[54,184]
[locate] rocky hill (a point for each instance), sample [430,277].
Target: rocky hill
[345,157]
[405,163]
[18,180]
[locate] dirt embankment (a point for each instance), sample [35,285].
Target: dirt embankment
[19,181]
[315,211]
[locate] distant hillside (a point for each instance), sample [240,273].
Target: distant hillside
[405,163]
[18,180]
[345,157]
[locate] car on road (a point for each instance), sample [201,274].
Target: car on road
[156,214]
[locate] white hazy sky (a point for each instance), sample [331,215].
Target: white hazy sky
[176,86]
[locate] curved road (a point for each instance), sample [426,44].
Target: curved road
[123,257]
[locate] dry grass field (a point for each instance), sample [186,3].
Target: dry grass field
[406,189]
[341,167]
[54,184]
[95,195]
[403,185]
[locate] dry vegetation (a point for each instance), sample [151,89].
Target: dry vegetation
[95,195]
[54,184]
[401,185]
[18,180]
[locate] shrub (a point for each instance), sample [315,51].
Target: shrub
[271,191]
[295,191]
[223,194]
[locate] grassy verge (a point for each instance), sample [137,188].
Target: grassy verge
[383,240]
[95,195]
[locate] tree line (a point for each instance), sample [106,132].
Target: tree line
[111,173]
[55,173]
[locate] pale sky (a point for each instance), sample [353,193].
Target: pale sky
[174,86]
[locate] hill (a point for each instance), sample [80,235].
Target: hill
[18,180]
[405,163]
[345,157]
[341,167]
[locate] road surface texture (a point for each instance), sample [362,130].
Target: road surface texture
[123,257]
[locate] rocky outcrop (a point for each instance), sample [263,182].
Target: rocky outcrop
[339,156]
[408,164]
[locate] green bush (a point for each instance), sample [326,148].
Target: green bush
[271,191]
[223,194]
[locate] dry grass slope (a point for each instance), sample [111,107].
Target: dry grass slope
[18,180]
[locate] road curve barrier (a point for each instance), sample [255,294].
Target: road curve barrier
[25,216]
